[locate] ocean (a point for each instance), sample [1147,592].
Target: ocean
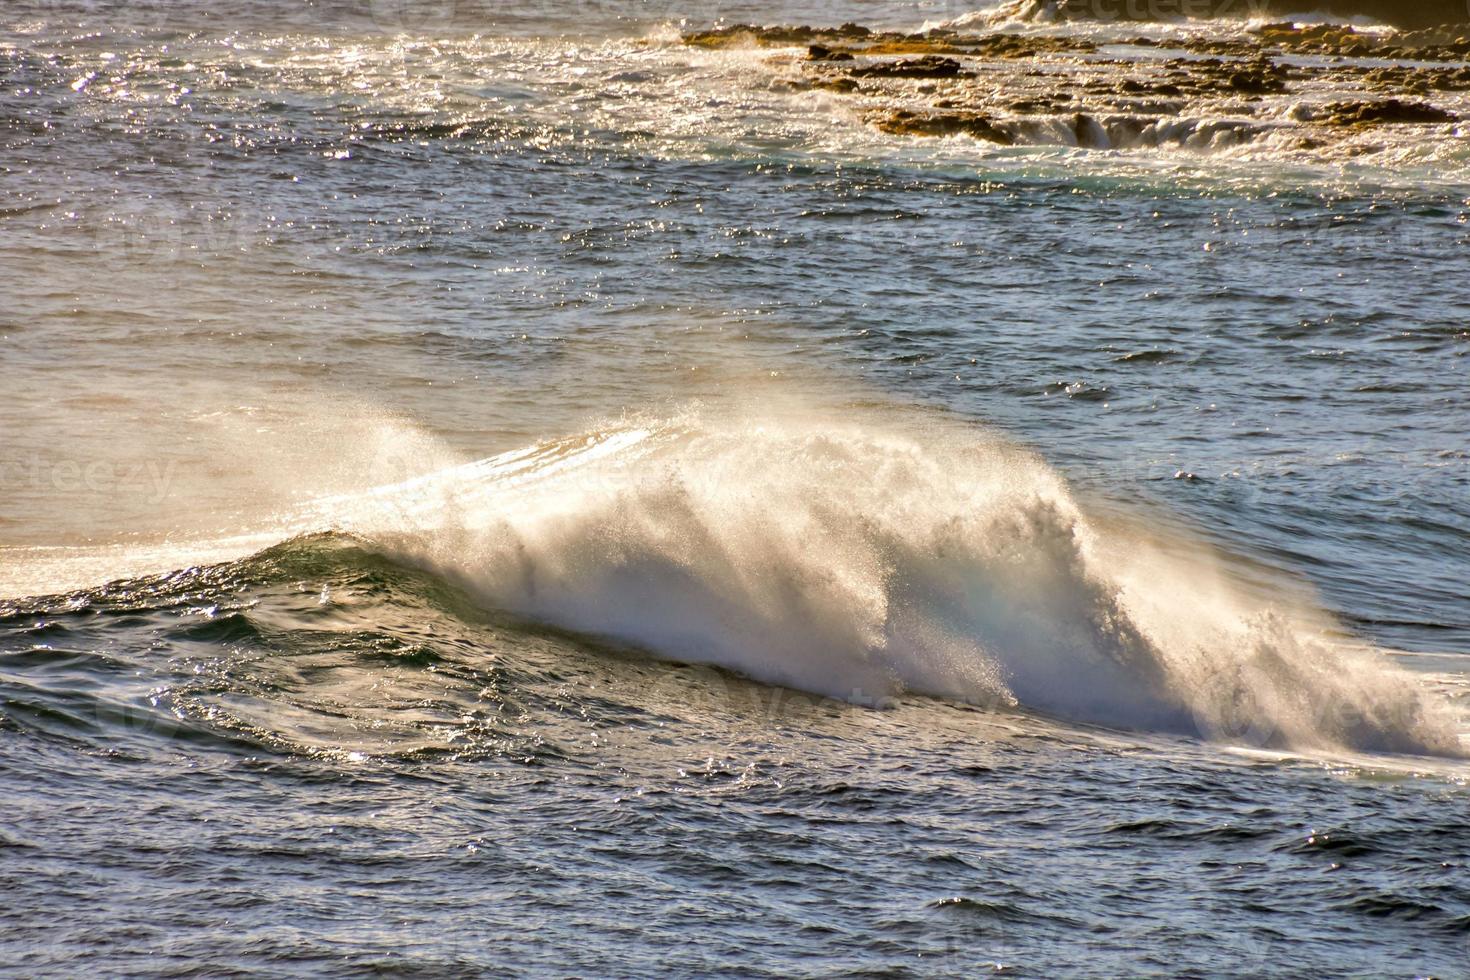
[641,489]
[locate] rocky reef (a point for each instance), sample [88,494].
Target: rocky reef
[1304,87]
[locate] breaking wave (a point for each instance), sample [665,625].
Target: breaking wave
[864,555]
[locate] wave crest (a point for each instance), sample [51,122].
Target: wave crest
[860,557]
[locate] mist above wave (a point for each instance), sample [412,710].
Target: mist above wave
[864,554]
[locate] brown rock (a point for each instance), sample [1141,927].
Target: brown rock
[817,52]
[929,66]
[1388,111]
[904,122]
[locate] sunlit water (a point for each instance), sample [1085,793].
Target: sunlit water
[497,490]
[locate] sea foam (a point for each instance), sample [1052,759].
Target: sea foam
[863,554]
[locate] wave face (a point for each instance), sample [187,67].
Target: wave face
[861,557]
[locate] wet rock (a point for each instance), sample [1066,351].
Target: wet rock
[1037,105]
[836,84]
[909,44]
[1388,111]
[859,40]
[905,122]
[1090,133]
[929,66]
[1021,46]
[1255,82]
[724,37]
[1313,36]
[1446,43]
[817,52]
[738,35]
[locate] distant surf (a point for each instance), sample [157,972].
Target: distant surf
[1419,15]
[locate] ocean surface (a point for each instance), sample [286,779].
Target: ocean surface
[490,489]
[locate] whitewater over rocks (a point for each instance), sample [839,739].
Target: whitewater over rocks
[1308,92]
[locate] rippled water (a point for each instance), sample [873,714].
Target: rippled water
[434,435]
